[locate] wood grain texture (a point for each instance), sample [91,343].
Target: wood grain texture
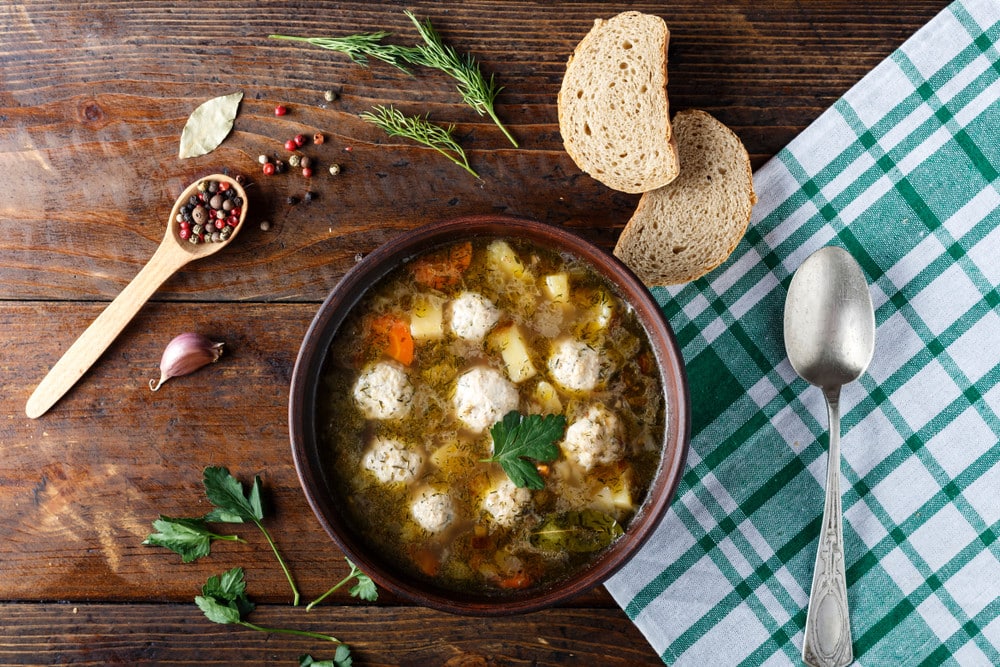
[105,634]
[92,102]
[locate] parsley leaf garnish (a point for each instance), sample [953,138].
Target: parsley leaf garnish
[519,441]
[364,589]
[224,600]
[191,538]
[342,658]
[234,506]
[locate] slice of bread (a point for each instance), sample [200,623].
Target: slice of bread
[685,229]
[613,111]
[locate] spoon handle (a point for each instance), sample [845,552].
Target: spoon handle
[92,343]
[827,641]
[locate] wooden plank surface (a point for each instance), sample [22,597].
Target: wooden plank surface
[92,102]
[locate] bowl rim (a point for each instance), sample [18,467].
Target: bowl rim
[345,295]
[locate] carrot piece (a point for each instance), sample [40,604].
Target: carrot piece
[392,334]
[442,268]
[427,562]
[516,581]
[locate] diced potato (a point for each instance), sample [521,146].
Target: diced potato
[601,311]
[501,256]
[547,399]
[514,350]
[622,497]
[427,317]
[557,287]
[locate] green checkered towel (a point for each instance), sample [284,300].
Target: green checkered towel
[903,173]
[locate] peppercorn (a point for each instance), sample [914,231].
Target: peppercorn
[318,138]
[279,167]
[334,169]
[263,159]
[307,172]
[329,96]
[300,140]
[268,169]
[310,195]
[294,160]
[290,145]
[280,110]
[199,215]
[265,225]
[292,201]
[306,161]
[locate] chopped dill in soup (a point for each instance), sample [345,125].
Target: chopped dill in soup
[419,380]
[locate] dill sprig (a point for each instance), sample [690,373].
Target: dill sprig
[478,92]
[417,128]
[359,48]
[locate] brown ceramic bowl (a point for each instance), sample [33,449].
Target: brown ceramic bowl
[309,457]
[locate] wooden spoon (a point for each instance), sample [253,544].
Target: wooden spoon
[173,253]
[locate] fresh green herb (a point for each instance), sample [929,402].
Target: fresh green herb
[582,531]
[364,589]
[478,92]
[190,538]
[519,441]
[342,658]
[224,600]
[417,128]
[233,506]
[359,48]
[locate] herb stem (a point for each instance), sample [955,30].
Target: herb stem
[328,593]
[359,48]
[417,128]
[281,562]
[478,92]
[286,631]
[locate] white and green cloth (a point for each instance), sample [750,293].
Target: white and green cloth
[903,172]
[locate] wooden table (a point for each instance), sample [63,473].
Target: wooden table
[93,97]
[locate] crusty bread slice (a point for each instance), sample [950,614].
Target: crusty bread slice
[685,229]
[614,116]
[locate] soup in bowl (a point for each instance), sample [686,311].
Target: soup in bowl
[489,415]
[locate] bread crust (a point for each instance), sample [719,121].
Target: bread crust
[685,229]
[614,112]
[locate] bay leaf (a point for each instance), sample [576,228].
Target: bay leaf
[209,125]
[583,531]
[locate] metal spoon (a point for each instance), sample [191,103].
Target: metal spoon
[172,253]
[830,337]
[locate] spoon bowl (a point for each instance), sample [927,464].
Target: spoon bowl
[172,254]
[829,329]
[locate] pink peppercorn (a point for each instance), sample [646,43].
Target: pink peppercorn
[300,140]
[307,172]
[268,169]
[280,110]
[290,145]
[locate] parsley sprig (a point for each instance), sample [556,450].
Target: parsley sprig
[519,441]
[365,588]
[224,600]
[189,537]
[342,658]
[417,128]
[232,505]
